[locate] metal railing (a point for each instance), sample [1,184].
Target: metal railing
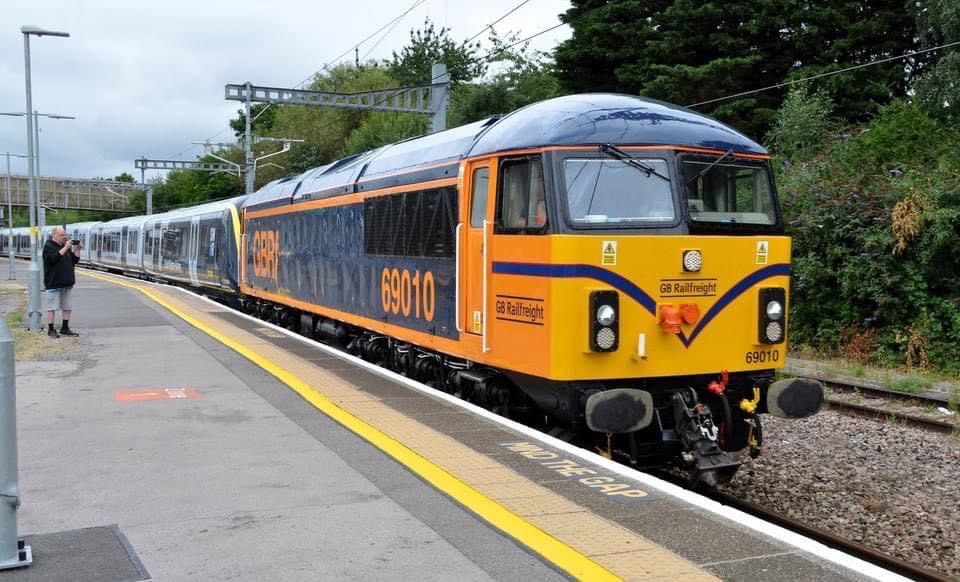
[73,193]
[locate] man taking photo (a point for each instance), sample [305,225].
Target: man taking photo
[58,278]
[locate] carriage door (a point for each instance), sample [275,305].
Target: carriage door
[124,235]
[157,242]
[478,181]
[192,244]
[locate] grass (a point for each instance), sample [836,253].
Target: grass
[28,346]
[858,370]
[911,384]
[831,364]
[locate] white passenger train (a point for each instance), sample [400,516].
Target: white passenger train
[197,246]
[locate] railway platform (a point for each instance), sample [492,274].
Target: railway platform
[177,440]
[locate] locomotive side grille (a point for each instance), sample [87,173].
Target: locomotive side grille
[411,224]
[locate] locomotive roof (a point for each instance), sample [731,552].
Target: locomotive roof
[278,192]
[601,118]
[587,119]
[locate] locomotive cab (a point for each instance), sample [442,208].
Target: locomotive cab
[635,292]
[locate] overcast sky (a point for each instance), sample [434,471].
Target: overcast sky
[146,79]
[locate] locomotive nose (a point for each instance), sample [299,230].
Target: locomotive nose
[795,398]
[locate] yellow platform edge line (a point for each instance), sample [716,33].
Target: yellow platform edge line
[543,544]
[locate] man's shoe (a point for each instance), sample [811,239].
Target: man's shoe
[69,332]
[53,333]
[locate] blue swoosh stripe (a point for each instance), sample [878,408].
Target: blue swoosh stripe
[636,293]
[734,292]
[586,271]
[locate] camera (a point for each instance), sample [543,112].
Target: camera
[74,241]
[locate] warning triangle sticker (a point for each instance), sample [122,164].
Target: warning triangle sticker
[609,249]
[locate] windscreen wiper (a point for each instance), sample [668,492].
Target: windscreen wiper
[614,151]
[725,155]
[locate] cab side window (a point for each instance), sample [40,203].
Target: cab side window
[521,203]
[478,205]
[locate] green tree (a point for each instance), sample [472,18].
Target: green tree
[938,87]
[522,77]
[325,131]
[830,36]
[688,52]
[413,64]
[190,187]
[606,37]
[381,128]
[681,51]
[262,115]
[125,177]
[873,212]
[803,124]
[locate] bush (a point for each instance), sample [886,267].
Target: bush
[874,213]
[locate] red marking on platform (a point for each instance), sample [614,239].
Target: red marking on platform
[157,394]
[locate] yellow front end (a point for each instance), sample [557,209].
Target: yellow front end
[669,322]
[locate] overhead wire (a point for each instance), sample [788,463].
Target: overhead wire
[491,54]
[393,22]
[827,74]
[487,57]
[494,23]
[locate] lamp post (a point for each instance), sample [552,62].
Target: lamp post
[13,269]
[33,282]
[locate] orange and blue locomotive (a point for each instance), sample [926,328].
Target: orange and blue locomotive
[610,266]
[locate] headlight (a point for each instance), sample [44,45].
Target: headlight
[692,261]
[606,338]
[774,310]
[774,332]
[604,325]
[771,315]
[606,315]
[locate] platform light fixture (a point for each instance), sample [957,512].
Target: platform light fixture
[33,281]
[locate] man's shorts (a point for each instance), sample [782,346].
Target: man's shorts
[59,299]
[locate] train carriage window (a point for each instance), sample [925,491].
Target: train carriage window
[605,191]
[521,203]
[478,207]
[729,192]
[133,239]
[171,242]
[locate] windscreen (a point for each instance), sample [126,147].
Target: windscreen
[729,191]
[603,191]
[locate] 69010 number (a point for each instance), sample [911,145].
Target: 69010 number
[758,357]
[402,292]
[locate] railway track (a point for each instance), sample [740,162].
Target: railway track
[899,407]
[871,399]
[832,540]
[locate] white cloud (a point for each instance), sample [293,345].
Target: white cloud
[146,80]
